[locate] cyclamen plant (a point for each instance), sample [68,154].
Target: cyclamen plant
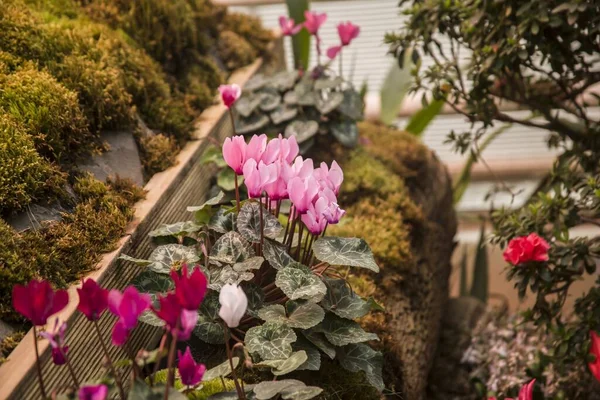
[301,104]
[275,289]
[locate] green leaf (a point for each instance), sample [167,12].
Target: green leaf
[353,252]
[283,367]
[269,100]
[345,132]
[272,340]
[148,317]
[341,331]
[421,120]
[222,221]
[231,248]
[224,275]
[246,105]
[328,83]
[300,41]
[213,154]
[141,391]
[249,224]
[360,357]
[283,113]
[319,340]
[210,306]
[208,203]
[394,88]
[302,130]
[251,263]
[305,96]
[276,254]
[304,316]
[313,361]
[226,179]
[151,282]
[208,331]
[291,98]
[330,103]
[258,81]
[164,258]
[269,389]
[480,285]
[256,297]
[223,369]
[284,80]
[342,301]
[136,261]
[254,123]
[352,106]
[177,229]
[297,281]
[297,393]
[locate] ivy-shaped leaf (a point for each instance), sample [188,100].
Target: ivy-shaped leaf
[213,154]
[297,281]
[152,282]
[291,98]
[269,389]
[226,179]
[283,367]
[319,340]
[213,201]
[303,316]
[250,264]
[271,341]
[284,80]
[209,331]
[254,123]
[360,357]
[223,369]
[136,261]
[313,355]
[353,252]
[222,221]
[329,103]
[302,130]
[224,275]
[269,100]
[258,81]
[148,317]
[305,96]
[304,393]
[343,301]
[345,132]
[341,331]
[210,306]
[246,105]
[328,83]
[231,248]
[352,106]
[276,254]
[164,258]
[283,113]
[256,297]
[248,222]
[177,229]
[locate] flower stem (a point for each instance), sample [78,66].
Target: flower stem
[38,364]
[71,370]
[134,365]
[161,347]
[110,363]
[299,245]
[262,228]
[170,369]
[238,389]
[237,193]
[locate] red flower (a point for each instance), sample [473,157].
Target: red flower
[190,372]
[171,311]
[93,299]
[57,342]
[526,248]
[190,290]
[37,301]
[595,350]
[128,306]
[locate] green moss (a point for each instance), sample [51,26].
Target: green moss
[208,388]
[200,82]
[48,111]
[64,251]
[8,344]
[24,175]
[251,29]
[234,50]
[158,153]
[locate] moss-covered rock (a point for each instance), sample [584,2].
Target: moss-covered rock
[250,28]
[158,153]
[234,50]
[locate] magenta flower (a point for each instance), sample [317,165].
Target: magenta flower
[93,392]
[333,51]
[347,32]
[57,342]
[234,153]
[288,26]
[229,94]
[329,178]
[526,248]
[93,299]
[314,21]
[302,193]
[257,177]
[37,301]
[302,168]
[128,306]
[190,289]
[277,190]
[281,149]
[190,372]
[594,366]
[256,147]
[314,219]
[171,311]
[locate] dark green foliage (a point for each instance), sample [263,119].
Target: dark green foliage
[524,52]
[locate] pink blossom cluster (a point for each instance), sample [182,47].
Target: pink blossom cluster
[274,169]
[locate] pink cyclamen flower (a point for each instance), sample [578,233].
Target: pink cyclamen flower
[190,372]
[288,26]
[526,392]
[93,299]
[330,178]
[277,190]
[234,303]
[314,219]
[93,392]
[302,168]
[190,289]
[128,306]
[234,153]
[178,320]
[595,350]
[333,52]
[333,213]
[256,147]
[281,149]
[314,21]
[526,248]
[347,32]
[257,177]
[57,342]
[302,193]
[230,94]
[36,301]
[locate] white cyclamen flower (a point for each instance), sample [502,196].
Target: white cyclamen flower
[233,304]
